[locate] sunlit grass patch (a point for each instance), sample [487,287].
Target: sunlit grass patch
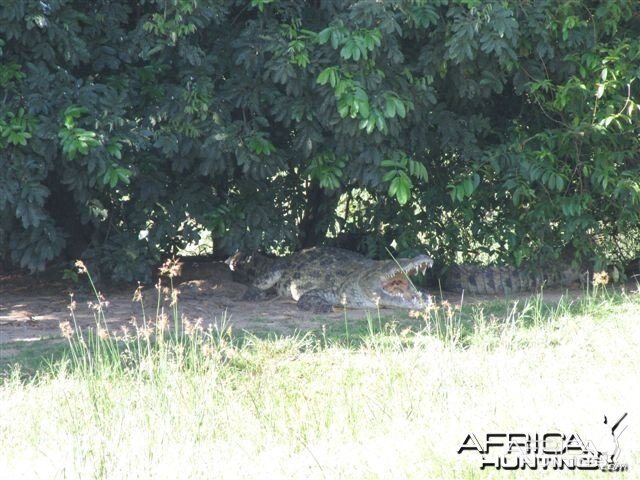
[29,358]
[182,399]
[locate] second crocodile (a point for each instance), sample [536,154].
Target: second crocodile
[505,279]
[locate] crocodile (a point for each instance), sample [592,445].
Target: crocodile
[501,279]
[320,278]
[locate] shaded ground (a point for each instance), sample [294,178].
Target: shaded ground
[32,309]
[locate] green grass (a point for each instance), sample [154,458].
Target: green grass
[369,399]
[32,357]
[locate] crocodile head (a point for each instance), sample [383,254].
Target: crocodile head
[389,283]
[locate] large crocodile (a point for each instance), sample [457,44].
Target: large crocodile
[323,277]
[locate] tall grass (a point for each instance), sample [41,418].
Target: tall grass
[173,398]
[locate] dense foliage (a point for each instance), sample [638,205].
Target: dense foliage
[501,129]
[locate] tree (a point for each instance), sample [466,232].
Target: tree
[498,129]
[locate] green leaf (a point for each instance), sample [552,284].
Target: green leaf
[336,39]
[349,49]
[343,107]
[356,52]
[391,164]
[418,170]
[325,35]
[400,187]
[402,112]
[393,186]
[467,187]
[389,175]
[328,75]
[371,124]
[363,108]
[390,107]
[403,194]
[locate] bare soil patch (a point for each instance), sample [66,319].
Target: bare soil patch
[32,308]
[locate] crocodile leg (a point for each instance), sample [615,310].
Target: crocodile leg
[317,301]
[254,294]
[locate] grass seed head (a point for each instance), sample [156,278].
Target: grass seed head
[391,328]
[426,312]
[191,328]
[72,303]
[81,267]
[125,333]
[600,278]
[406,332]
[376,300]
[210,352]
[145,333]
[187,325]
[175,293]
[137,295]
[66,329]
[171,268]
[162,322]
[103,334]
[102,300]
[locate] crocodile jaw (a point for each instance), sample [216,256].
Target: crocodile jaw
[390,284]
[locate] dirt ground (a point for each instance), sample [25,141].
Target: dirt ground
[32,308]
